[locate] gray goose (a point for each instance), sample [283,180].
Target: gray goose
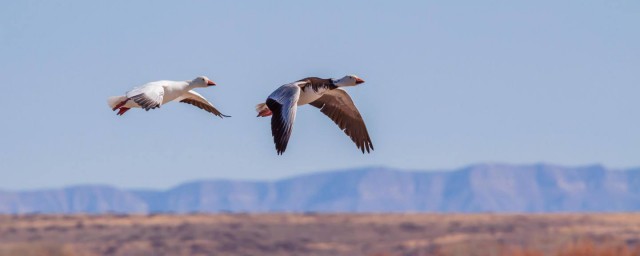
[325,94]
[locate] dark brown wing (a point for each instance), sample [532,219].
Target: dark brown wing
[338,106]
[199,101]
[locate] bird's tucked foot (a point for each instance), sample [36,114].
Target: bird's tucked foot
[265,112]
[120,105]
[122,111]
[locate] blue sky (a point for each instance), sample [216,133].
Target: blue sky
[449,83]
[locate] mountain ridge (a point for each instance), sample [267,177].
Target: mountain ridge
[490,187]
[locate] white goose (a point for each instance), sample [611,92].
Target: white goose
[154,94]
[324,94]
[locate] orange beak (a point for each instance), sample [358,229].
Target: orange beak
[359,81]
[210,83]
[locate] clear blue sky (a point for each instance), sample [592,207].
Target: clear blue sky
[449,83]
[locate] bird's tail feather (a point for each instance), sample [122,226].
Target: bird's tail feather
[115,100]
[263,110]
[260,107]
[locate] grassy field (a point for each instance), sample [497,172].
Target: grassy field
[321,234]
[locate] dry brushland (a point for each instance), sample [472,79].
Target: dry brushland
[321,234]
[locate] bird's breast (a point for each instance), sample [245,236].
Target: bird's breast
[309,95]
[171,94]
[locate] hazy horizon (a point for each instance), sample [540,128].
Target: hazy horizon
[322,172]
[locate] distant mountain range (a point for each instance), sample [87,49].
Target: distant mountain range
[476,188]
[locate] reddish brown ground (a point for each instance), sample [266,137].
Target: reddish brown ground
[321,234]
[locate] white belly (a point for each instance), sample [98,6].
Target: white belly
[171,94]
[309,95]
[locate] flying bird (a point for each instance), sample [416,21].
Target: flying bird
[325,94]
[154,94]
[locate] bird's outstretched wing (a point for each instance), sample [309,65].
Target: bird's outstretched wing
[338,106]
[194,98]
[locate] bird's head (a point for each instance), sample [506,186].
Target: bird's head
[202,81]
[348,80]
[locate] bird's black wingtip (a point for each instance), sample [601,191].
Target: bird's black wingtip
[368,148]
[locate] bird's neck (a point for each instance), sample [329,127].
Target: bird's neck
[339,83]
[190,85]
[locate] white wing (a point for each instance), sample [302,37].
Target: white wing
[283,104]
[194,98]
[148,96]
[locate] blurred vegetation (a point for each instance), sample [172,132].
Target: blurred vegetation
[321,235]
[40,249]
[584,248]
